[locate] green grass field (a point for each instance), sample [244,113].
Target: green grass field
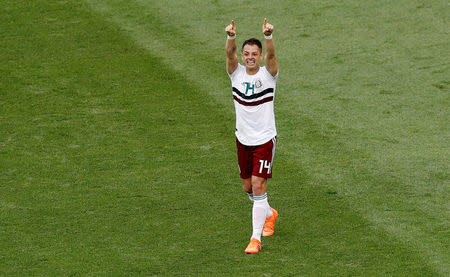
[117,154]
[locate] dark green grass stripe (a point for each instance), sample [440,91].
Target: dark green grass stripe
[90,171]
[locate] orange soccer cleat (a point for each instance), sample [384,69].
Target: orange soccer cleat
[269,225]
[253,247]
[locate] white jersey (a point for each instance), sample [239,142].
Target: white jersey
[253,100]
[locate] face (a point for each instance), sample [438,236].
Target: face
[251,56]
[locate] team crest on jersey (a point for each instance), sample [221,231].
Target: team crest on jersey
[258,83]
[250,87]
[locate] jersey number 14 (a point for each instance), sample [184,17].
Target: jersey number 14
[264,164]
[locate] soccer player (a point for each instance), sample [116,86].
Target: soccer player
[253,89]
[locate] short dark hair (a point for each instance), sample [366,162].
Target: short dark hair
[253,41]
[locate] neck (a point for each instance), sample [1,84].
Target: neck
[252,71]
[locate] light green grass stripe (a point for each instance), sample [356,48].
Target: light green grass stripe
[180,56]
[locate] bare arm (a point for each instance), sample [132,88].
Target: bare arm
[270,58]
[231,49]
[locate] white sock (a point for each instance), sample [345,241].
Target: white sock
[259,215]
[263,198]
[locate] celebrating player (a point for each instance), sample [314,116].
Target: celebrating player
[253,89]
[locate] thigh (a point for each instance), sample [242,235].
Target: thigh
[245,160]
[263,159]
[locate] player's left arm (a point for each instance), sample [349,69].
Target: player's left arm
[270,58]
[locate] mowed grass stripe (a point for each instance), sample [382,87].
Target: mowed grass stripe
[179,48]
[171,16]
[153,24]
[101,183]
[123,194]
[387,122]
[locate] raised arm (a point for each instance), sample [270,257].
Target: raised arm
[231,49]
[270,58]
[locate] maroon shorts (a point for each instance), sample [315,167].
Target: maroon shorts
[256,160]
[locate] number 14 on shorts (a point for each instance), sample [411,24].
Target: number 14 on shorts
[264,165]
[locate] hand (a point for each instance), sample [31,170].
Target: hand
[231,29]
[267,28]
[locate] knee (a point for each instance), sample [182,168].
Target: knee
[259,186]
[247,189]
[247,185]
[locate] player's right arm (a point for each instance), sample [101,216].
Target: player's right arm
[231,49]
